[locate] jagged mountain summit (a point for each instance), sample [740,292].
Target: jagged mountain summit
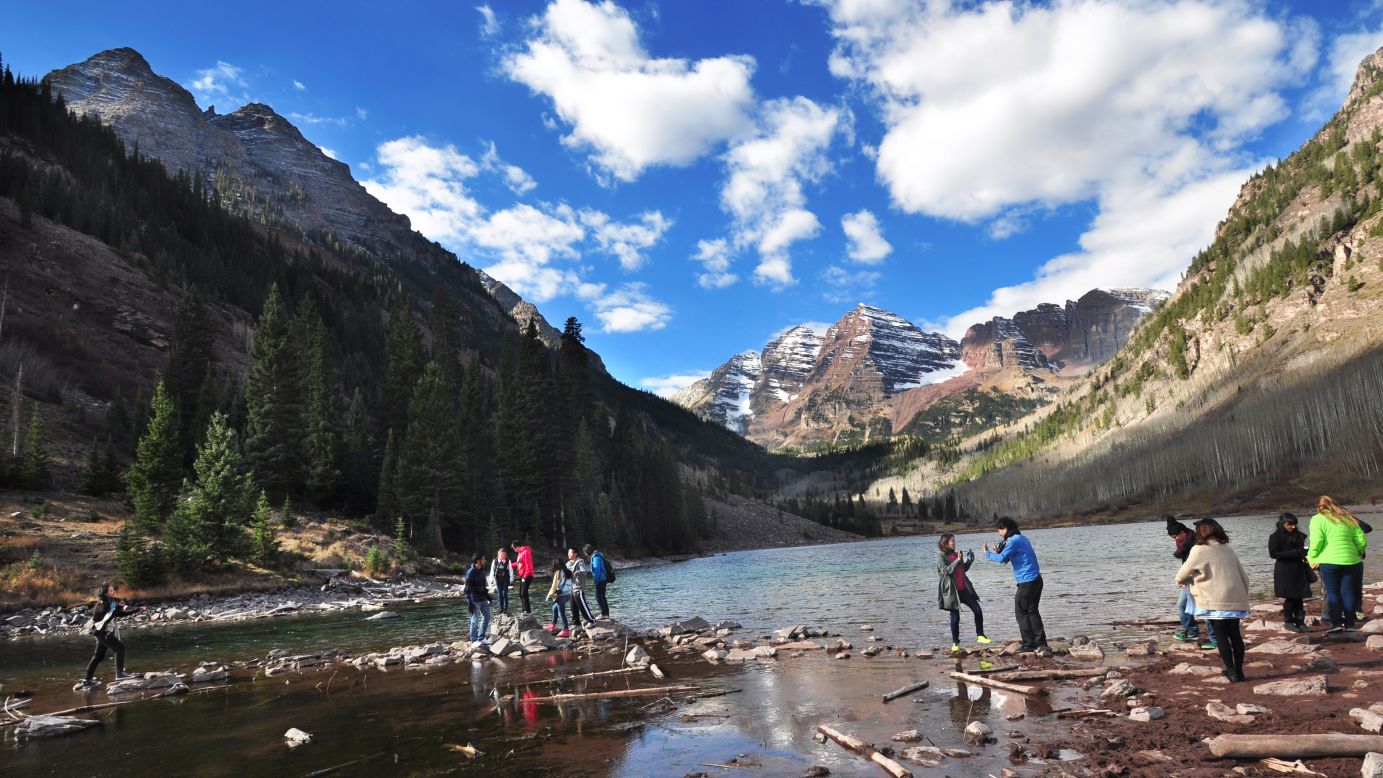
[874,371]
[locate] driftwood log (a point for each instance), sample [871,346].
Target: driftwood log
[854,744]
[917,687]
[1034,691]
[1080,714]
[617,693]
[1294,746]
[1048,675]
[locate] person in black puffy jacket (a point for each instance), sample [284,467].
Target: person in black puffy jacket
[1291,575]
[103,615]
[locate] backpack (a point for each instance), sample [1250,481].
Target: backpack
[609,570]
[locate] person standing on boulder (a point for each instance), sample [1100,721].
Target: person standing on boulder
[1221,589]
[1017,550]
[559,594]
[954,587]
[103,615]
[523,569]
[478,600]
[580,611]
[1185,538]
[600,573]
[1336,550]
[500,571]
[1292,577]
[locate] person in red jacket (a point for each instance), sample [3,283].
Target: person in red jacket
[523,570]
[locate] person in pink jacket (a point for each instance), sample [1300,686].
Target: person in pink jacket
[523,570]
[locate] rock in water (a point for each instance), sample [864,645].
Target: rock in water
[296,737]
[978,732]
[52,726]
[637,656]
[382,615]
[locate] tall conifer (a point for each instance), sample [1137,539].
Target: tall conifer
[155,476]
[273,395]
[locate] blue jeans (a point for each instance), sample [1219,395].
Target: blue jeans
[480,620]
[1188,622]
[559,610]
[1341,584]
[600,600]
[503,597]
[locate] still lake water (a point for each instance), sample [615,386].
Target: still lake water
[1093,576]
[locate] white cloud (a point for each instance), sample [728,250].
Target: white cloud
[1342,63]
[839,285]
[298,85]
[867,244]
[329,152]
[515,177]
[489,23]
[631,309]
[629,110]
[764,189]
[667,385]
[992,111]
[217,82]
[714,255]
[313,119]
[361,113]
[626,242]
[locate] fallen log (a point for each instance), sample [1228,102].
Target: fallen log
[1080,714]
[1048,675]
[620,671]
[994,670]
[617,693]
[1294,746]
[917,687]
[1035,691]
[1144,622]
[865,750]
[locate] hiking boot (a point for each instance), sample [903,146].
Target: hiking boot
[86,684]
[1210,645]
[566,633]
[982,639]
[1185,636]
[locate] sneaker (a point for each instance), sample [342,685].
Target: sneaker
[1185,636]
[86,685]
[1043,651]
[1335,629]
[1025,650]
[566,633]
[982,639]
[955,648]
[551,628]
[123,676]
[1210,645]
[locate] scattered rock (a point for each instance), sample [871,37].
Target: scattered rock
[1087,651]
[927,756]
[636,657]
[1323,663]
[978,732]
[1373,765]
[1146,713]
[1374,643]
[1190,669]
[1222,712]
[1283,647]
[1296,687]
[816,771]
[296,737]
[715,655]
[52,726]
[1249,709]
[910,736]
[1118,689]
[1369,720]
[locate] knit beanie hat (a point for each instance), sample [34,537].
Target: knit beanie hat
[1175,527]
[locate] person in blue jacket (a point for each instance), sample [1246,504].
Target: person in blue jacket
[600,573]
[1017,551]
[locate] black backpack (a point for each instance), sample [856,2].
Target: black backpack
[609,570]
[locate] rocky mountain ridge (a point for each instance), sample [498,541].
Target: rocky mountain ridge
[858,381]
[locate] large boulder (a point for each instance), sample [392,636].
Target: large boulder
[512,626]
[637,657]
[1089,651]
[1369,721]
[52,726]
[537,640]
[1373,765]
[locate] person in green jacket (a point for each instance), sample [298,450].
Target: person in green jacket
[1335,549]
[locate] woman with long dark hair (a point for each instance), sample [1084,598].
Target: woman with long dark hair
[954,588]
[1336,550]
[104,612]
[1221,590]
[1291,576]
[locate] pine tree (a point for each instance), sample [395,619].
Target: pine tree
[220,501]
[907,502]
[892,501]
[34,472]
[427,482]
[273,392]
[387,509]
[189,359]
[403,354]
[322,444]
[264,543]
[102,475]
[357,468]
[138,560]
[155,476]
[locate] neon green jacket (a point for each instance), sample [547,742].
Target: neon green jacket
[1335,542]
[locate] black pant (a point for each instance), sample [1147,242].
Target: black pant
[1025,601]
[1230,642]
[1293,611]
[523,593]
[967,596]
[601,601]
[106,640]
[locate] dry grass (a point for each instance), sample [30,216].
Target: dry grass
[25,586]
[17,548]
[223,583]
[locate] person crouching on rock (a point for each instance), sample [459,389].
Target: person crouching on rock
[1292,577]
[478,600]
[954,588]
[103,615]
[1221,590]
[559,594]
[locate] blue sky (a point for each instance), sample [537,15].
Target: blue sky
[689,178]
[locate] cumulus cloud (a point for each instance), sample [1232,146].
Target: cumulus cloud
[329,152]
[626,242]
[515,177]
[714,256]
[627,109]
[313,119]
[298,85]
[867,244]
[764,192]
[630,309]
[1341,65]
[532,248]
[667,385]
[361,113]
[1143,108]
[218,82]
[489,22]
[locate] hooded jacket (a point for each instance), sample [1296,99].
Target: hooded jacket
[947,598]
[1290,579]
